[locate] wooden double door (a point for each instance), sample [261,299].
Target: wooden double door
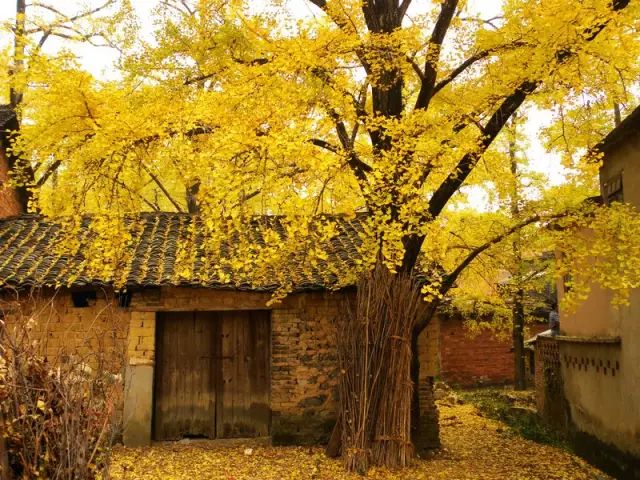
[212,375]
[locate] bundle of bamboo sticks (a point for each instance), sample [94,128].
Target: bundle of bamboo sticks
[374,352]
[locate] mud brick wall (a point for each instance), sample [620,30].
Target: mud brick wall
[304,372]
[304,375]
[304,366]
[64,332]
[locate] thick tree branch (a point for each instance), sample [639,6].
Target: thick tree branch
[404,6]
[416,68]
[443,22]
[66,18]
[240,61]
[471,61]
[318,142]
[144,141]
[491,130]
[499,119]
[450,278]
[50,171]
[459,69]
[344,23]
[359,168]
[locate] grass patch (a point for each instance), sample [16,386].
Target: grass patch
[515,409]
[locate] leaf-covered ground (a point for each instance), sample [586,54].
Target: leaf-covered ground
[474,447]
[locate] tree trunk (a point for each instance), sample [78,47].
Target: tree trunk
[19,169]
[17,68]
[192,197]
[520,380]
[334,447]
[5,473]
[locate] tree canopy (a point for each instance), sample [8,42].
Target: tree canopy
[393,108]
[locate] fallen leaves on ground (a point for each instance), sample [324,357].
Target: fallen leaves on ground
[474,447]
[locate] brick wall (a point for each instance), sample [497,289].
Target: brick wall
[9,205]
[95,333]
[468,359]
[141,343]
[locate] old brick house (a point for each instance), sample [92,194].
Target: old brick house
[201,359]
[589,376]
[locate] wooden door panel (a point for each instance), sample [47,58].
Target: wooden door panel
[212,375]
[260,371]
[184,388]
[243,406]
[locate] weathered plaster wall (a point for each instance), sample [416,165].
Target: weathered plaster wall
[625,159]
[601,380]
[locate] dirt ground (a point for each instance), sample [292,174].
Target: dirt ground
[473,447]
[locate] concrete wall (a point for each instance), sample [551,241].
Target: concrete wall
[602,380]
[304,370]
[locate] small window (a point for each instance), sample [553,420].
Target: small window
[83,299]
[123,299]
[612,189]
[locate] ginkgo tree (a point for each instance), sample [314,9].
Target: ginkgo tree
[381,106]
[24,62]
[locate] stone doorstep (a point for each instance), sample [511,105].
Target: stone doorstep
[207,443]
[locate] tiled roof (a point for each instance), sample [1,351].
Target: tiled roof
[28,246]
[630,126]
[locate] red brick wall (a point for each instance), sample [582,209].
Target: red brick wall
[467,359]
[9,205]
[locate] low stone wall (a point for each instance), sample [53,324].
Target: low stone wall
[550,399]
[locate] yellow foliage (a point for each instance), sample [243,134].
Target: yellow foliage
[243,113]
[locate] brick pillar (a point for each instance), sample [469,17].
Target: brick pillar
[428,346]
[429,425]
[138,393]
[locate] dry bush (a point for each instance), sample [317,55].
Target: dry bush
[59,406]
[374,351]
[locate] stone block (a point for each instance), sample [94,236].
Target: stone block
[138,405]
